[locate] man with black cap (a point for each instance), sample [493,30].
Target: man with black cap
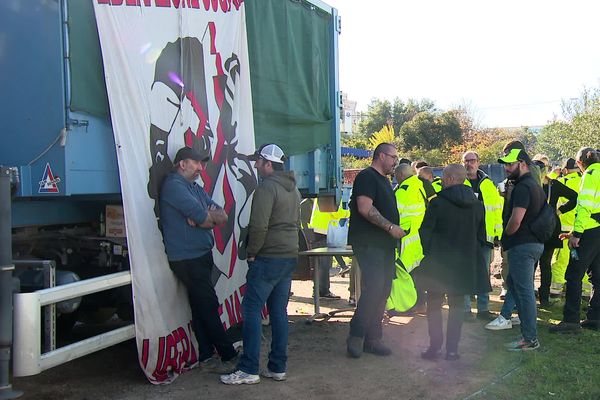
[272,257]
[522,247]
[187,216]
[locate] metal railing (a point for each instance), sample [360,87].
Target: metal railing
[28,358]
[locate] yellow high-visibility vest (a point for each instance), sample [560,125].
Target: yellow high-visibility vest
[493,203]
[319,221]
[411,203]
[572,181]
[437,184]
[588,200]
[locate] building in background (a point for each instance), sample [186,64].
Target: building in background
[350,117]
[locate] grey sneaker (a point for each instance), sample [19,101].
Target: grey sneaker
[354,346]
[209,365]
[240,378]
[525,345]
[276,376]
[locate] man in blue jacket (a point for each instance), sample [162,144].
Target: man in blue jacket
[188,215]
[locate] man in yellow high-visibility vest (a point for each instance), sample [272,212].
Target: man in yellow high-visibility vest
[411,200]
[572,179]
[485,190]
[319,222]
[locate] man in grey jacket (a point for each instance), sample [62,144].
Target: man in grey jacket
[272,257]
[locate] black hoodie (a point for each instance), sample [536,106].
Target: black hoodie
[453,237]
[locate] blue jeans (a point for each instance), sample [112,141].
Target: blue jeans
[521,264]
[268,281]
[483,299]
[509,304]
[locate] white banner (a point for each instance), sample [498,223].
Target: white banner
[177,74]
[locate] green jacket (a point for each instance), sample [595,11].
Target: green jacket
[275,217]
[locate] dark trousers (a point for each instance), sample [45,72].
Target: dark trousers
[589,260]
[453,325]
[545,264]
[377,272]
[195,274]
[323,264]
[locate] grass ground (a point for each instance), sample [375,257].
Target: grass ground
[564,367]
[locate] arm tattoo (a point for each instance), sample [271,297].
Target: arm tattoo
[377,219]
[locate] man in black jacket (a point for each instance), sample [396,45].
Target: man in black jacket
[452,235]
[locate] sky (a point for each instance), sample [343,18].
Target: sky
[512,62]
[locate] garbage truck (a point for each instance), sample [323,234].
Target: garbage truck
[67,222]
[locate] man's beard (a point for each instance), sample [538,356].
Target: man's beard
[513,175]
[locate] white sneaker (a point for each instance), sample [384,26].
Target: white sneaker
[499,323]
[240,377]
[503,294]
[515,320]
[276,376]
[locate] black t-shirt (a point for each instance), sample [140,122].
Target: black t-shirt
[527,194]
[475,186]
[372,184]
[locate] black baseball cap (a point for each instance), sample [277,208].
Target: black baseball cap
[185,153]
[570,164]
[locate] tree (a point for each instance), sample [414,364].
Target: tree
[428,131]
[383,112]
[562,139]
[379,114]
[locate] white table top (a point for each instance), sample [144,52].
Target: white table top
[328,251]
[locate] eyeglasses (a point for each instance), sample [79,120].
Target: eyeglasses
[394,156]
[470,160]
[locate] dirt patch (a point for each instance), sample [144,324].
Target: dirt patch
[318,366]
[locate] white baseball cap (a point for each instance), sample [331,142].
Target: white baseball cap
[270,152]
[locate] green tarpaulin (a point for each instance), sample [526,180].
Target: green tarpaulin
[289,44]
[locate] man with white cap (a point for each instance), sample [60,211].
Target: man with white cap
[272,257]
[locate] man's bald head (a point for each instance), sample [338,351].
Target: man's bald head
[454,174]
[403,171]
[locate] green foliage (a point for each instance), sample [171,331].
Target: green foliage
[556,141]
[350,162]
[384,112]
[428,131]
[560,140]
[355,141]
[385,135]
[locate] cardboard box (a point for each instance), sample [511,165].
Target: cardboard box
[115,222]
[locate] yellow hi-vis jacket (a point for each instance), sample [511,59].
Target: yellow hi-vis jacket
[588,200]
[319,221]
[437,184]
[493,203]
[411,203]
[572,181]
